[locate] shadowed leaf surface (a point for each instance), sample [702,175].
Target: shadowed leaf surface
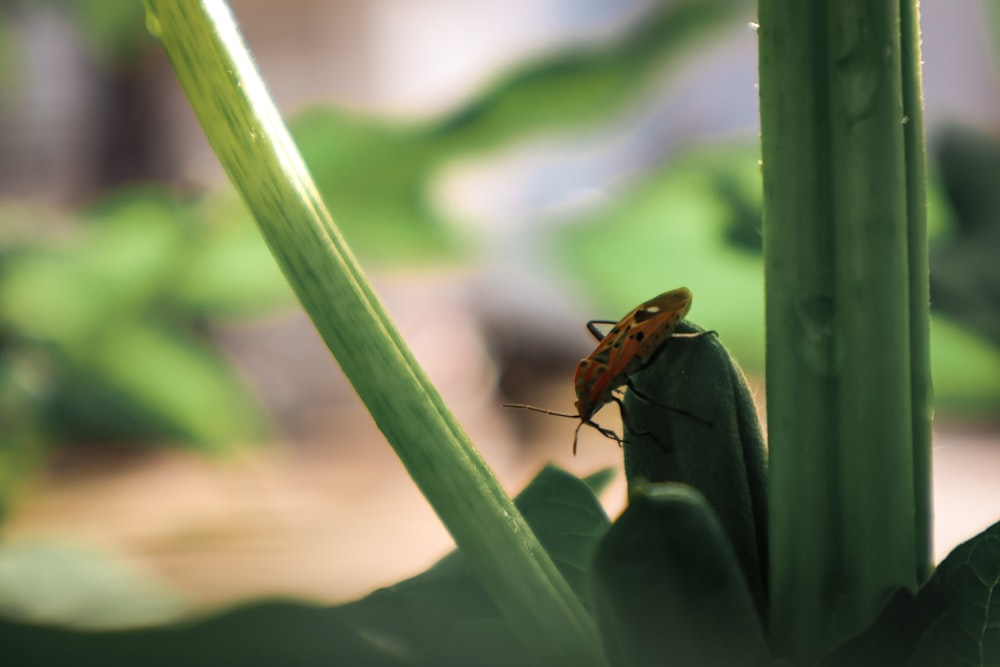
[669,589]
[714,445]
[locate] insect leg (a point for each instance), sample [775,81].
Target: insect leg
[606,432]
[649,399]
[594,331]
[625,419]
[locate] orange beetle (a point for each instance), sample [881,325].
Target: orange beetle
[625,349]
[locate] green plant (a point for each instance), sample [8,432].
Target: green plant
[693,571]
[248,135]
[102,329]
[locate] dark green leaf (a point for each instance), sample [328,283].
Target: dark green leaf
[703,431]
[669,589]
[967,632]
[599,480]
[953,620]
[447,601]
[259,635]
[892,637]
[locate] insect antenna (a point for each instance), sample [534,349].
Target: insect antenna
[525,406]
[606,432]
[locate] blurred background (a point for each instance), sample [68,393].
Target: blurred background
[174,436]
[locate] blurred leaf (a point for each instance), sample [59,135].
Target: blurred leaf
[228,270]
[60,584]
[376,174]
[159,383]
[440,617]
[114,30]
[72,288]
[965,282]
[584,84]
[100,332]
[743,219]
[966,370]
[707,198]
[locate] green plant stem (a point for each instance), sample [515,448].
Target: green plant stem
[836,244]
[249,137]
[920,297]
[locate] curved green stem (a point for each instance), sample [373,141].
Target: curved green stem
[251,141]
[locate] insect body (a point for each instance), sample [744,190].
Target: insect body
[625,349]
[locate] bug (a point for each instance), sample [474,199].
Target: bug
[625,349]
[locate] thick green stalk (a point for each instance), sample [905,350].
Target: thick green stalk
[836,249]
[920,297]
[249,137]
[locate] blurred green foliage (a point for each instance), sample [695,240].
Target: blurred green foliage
[103,318]
[375,175]
[696,222]
[104,324]
[965,276]
[113,30]
[693,221]
[53,583]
